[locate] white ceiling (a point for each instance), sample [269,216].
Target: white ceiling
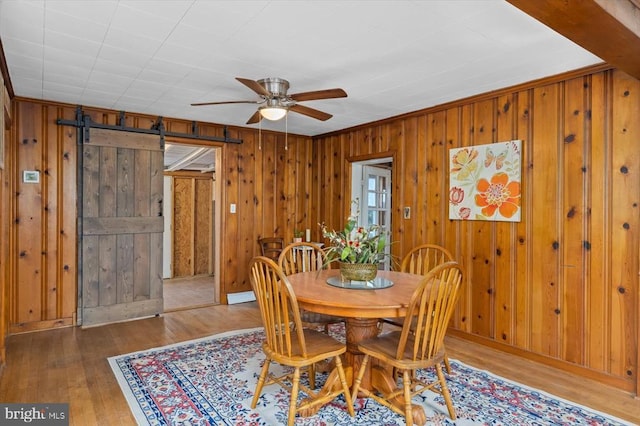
[189,157]
[391,57]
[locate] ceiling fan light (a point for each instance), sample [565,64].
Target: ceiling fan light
[273,113]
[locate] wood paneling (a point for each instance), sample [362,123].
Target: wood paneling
[625,224]
[269,185]
[504,265]
[544,183]
[597,268]
[203,217]
[561,286]
[5,212]
[192,224]
[183,227]
[575,242]
[481,245]
[42,287]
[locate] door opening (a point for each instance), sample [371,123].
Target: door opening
[192,224]
[371,184]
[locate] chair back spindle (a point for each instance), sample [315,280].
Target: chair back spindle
[421,259]
[301,257]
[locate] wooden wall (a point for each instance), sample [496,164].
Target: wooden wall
[561,286]
[192,223]
[268,183]
[271,188]
[42,223]
[5,139]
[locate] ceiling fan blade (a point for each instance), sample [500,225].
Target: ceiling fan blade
[314,113]
[255,118]
[319,94]
[224,102]
[255,86]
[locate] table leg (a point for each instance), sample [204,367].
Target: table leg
[357,330]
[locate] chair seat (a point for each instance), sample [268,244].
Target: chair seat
[399,322]
[319,346]
[385,347]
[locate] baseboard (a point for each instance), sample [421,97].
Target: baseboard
[242,297]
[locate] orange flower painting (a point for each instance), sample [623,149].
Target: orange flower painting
[484,182]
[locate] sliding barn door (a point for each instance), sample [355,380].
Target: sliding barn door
[121,226]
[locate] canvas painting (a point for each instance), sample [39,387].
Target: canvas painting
[484,182]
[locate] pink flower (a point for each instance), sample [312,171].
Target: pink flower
[464,212]
[456,195]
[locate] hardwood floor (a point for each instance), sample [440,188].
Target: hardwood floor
[568,386]
[188,292]
[70,364]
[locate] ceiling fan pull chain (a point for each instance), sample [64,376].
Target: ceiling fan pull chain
[260,135]
[286,131]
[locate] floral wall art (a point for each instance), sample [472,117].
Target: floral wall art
[484,182]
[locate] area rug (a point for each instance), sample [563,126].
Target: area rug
[211,381]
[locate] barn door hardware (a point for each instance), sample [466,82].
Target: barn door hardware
[84,122]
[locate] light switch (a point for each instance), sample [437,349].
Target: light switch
[232,208]
[407,212]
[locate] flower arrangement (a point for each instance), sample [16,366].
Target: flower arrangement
[355,244]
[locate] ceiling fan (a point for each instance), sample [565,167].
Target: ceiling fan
[275,102]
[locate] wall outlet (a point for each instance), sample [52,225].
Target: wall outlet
[407,212]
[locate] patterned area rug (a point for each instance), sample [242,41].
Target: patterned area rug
[211,381]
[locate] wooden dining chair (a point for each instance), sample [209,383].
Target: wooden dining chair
[302,257]
[420,342]
[420,260]
[271,247]
[291,345]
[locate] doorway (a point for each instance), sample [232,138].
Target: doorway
[371,184]
[191,225]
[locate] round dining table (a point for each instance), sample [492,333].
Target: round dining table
[362,306]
